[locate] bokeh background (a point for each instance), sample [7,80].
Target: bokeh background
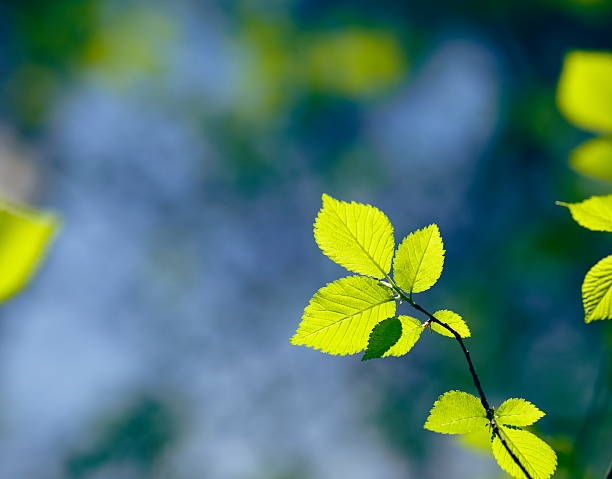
[186,145]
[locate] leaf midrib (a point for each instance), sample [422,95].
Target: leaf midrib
[384,274]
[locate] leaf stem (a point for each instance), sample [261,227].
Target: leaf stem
[475,378]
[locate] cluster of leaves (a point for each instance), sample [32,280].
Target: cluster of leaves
[346,315]
[359,312]
[585,98]
[457,412]
[24,237]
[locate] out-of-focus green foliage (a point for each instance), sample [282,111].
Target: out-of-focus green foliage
[594,158]
[585,90]
[355,62]
[24,238]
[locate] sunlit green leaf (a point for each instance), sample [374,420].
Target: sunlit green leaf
[585,90]
[356,236]
[454,321]
[411,332]
[597,291]
[24,237]
[383,336]
[594,213]
[456,412]
[419,260]
[534,454]
[517,412]
[341,315]
[594,159]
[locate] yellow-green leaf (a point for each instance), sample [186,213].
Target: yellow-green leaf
[594,158]
[24,237]
[534,454]
[383,336]
[454,321]
[585,90]
[356,236]
[341,315]
[411,332]
[517,412]
[597,291]
[594,213]
[419,260]
[457,412]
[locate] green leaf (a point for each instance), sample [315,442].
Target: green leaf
[594,213]
[24,237]
[419,260]
[594,159]
[535,455]
[454,321]
[356,236]
[585,91]
[597,291]
[411,332]
[341,315]
[457,412]
[383,336]
[517,412]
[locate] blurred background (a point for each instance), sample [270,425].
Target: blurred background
[185,146]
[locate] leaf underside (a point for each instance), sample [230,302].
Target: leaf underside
[341,315]
[534,454]
[24,238]
[597,291]
[383,336]
[419,260]
[356,236]
[457,412]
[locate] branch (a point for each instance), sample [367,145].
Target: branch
[475,378]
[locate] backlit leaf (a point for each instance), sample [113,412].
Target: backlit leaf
[356,236]
[585,90]
[517,412]
[419,260]
[454,321]
[24,237]
[597,291]
[536,456]
[594,213]
[383,336]
[341,315]
[457,412]
[411,332]
[594,159]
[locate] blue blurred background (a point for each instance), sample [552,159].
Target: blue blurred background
[186,146]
